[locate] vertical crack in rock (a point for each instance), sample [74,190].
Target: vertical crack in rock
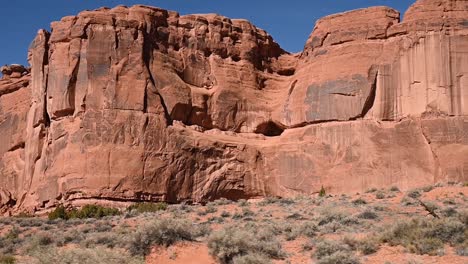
[147,56]
[72,87]
[369,103]
[434,154]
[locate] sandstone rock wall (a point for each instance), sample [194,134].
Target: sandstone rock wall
[139,103]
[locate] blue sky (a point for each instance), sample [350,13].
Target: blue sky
[289,22]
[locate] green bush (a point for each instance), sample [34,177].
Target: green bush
[87,211]
[147,207]
[58,213]
[322,192]
[93,211]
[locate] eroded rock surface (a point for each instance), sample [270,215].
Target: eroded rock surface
[139,103]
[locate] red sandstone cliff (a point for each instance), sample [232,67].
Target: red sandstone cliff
[140,103]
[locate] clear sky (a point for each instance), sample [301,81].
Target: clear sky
[289,21]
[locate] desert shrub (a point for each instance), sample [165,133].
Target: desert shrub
[414,194]
[12,234]
[328,247]
[225,214]
[291,232]
[463,216]
[295,216]
[43,239]
[427,188]
[371,190]
[424,236]
[210,209]
[108,239]
[242,202]
[5,220]
[160,232]
[394,189]
[368,214]
[428,245]
[236,241]
[430,206]
[147,207]
[276,200]
[83,256]
[30,222]
[221,201]
[462,249]
[407,201]
[340,257]
[333,219]
[359,201]
[10,241]
[308,229]
[247,212]
[7,259]
[251,258]
[449,212]
[380,195]
[333,252]
[369,246]
[102,227]
[379,208]
[449,201]
[215,219]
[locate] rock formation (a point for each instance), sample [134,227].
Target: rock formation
[139,103]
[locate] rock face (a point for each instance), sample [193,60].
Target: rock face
[139,103]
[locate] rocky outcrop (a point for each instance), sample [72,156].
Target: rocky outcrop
[14,104]
[139,103]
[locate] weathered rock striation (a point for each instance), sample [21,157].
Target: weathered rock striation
[139,103]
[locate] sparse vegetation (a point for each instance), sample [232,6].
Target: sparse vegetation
[236,242]
[246,231]
[333,252]
[83,256]
[147,207]
[426,236]
[160,232]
